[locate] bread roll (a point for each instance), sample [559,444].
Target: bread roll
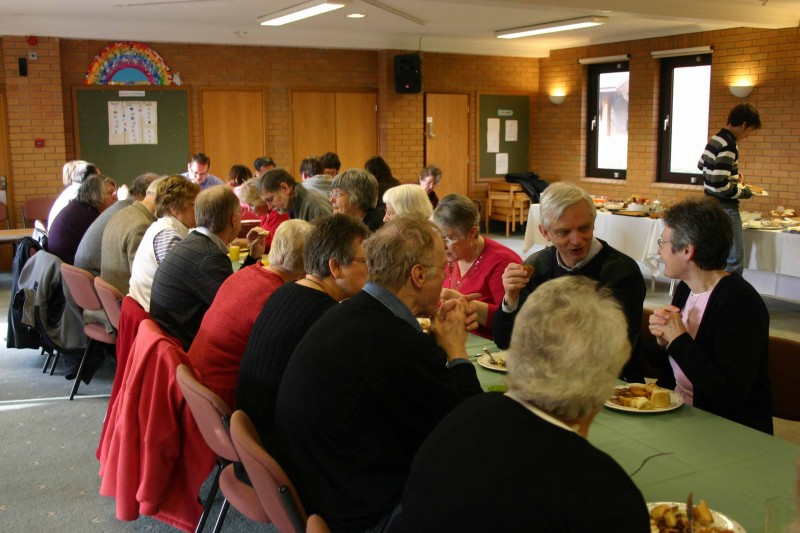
[660,398]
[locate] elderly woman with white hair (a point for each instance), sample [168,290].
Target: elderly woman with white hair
[542,475]
[409,199]
[354,192]
[216,352]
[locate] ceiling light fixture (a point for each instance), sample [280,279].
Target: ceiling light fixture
[551,27]
[300,12]
[356,16]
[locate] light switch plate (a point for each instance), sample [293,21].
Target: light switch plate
[33,56]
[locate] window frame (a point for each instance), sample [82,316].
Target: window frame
[593,97]
[668,66]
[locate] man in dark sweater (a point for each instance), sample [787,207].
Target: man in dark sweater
[186,282]
[568,215]
[366,386]
[543,475]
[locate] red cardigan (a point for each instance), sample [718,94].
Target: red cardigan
[216,352]
[153,458]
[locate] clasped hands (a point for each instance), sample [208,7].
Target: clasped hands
[666,324]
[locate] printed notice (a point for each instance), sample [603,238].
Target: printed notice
[116,129]
[493,135]
[150,122]
[132,122]
[511,130]
[501,164]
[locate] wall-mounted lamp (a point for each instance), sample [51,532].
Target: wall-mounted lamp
[557,98]
[740,91]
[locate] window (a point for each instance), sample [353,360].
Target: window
[683,130]
[607,128]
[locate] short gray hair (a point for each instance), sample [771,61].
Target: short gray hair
[569,344]
[409,199]
[248,192]
[141,185]
[332,238]
[557,197]
[397,246]
[362,186]
[286,251]
[458,212]
[93,190]
[214,207]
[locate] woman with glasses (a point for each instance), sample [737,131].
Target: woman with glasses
[714,336]
[475,263]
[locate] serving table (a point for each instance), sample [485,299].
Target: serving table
[734,468]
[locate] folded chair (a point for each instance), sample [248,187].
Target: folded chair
[81,286]
[784,377]
[212,416]
[275,491]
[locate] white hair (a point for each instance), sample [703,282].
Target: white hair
[409,199]
[569,344]
[286,250]
[557,197]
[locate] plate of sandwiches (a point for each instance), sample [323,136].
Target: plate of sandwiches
[641,398]
[669,517]
[756,190]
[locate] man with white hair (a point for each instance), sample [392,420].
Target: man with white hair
[366,385]
[543,475]
[567,215]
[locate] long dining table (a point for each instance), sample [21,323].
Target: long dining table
[734,468]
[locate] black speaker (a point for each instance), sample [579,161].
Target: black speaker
[407,74]
[23,66]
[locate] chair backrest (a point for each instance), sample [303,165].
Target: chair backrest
[210,412]
[4,215]
[81,286]
[36,209]
[274,489]
[784,377]
[110,299]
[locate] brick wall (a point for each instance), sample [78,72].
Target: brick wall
[41,104]
[35,111]
[767,159]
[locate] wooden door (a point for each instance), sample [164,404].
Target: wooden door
[356,128]
[446,140]
[233,129]
[5,174]
[313,126]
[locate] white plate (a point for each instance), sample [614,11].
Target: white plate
[675,402]
[720,520]
[484,361]
[764,193]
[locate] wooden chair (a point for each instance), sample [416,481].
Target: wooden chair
[80,283]
[275,491]
[507,201]
[784,377]
[212,416]
[36,209]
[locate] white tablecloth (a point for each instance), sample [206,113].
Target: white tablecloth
[636,237]
[771,258]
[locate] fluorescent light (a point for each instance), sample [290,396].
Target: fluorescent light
[356,16]
[551,27]
[300,11]
[607,59]
[680,52]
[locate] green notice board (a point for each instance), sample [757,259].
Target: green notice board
[504,129]
[123,162]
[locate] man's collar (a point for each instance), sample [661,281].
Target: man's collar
[392,302]
[214,238]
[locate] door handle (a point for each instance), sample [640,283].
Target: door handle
[666,123]
[431,135]
[594,123]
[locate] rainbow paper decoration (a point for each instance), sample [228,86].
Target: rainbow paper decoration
[128,63]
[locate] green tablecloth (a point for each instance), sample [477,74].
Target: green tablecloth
[734,468]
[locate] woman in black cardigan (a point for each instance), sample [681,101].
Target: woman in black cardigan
[714,336]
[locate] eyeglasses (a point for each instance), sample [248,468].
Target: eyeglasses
[662,242]
[337,194]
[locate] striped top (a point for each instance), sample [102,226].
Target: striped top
[720,166]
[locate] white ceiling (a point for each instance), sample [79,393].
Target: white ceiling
[454,26]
